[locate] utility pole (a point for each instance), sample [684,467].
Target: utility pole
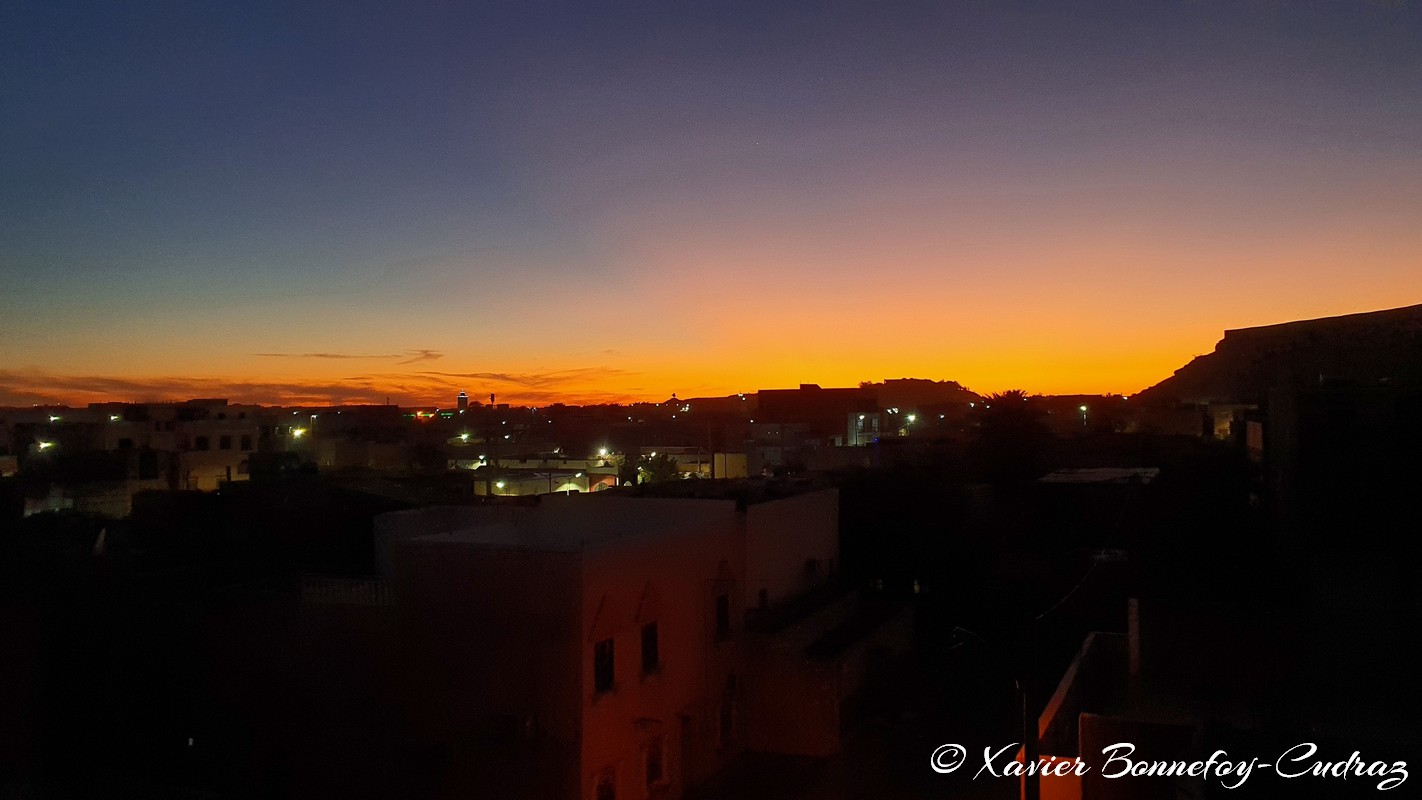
[493,464]
[1031,780]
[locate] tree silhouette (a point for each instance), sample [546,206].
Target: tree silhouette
[656,468]
[1010,440]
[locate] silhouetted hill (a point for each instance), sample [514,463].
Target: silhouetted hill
[1246,363]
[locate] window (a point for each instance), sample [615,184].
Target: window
[727,727]
[603,669]
[723,617]
[651,652]
[202,443]
[246,442]
[224,443]
[606,786]
[656,765]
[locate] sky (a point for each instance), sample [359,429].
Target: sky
[603,201]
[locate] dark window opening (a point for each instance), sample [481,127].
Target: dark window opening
[656,769]
[651,650]
[603,667]
[723,617]
[202,443]
[728,711]
[246,442]
[224,443]
[606,787]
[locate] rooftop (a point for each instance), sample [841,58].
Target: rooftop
[744,491]
[1102,475]
[559,523]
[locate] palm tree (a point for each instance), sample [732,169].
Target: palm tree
[1010,440]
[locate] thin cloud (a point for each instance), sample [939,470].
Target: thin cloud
[33,387]
[537,380]
[408,357]
[319,355]
[416,356]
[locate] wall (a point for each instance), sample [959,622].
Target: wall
[492,641]
[671,578]
[781,536]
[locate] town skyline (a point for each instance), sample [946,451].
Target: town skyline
[420,387]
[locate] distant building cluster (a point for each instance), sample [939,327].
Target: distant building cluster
[96,458]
